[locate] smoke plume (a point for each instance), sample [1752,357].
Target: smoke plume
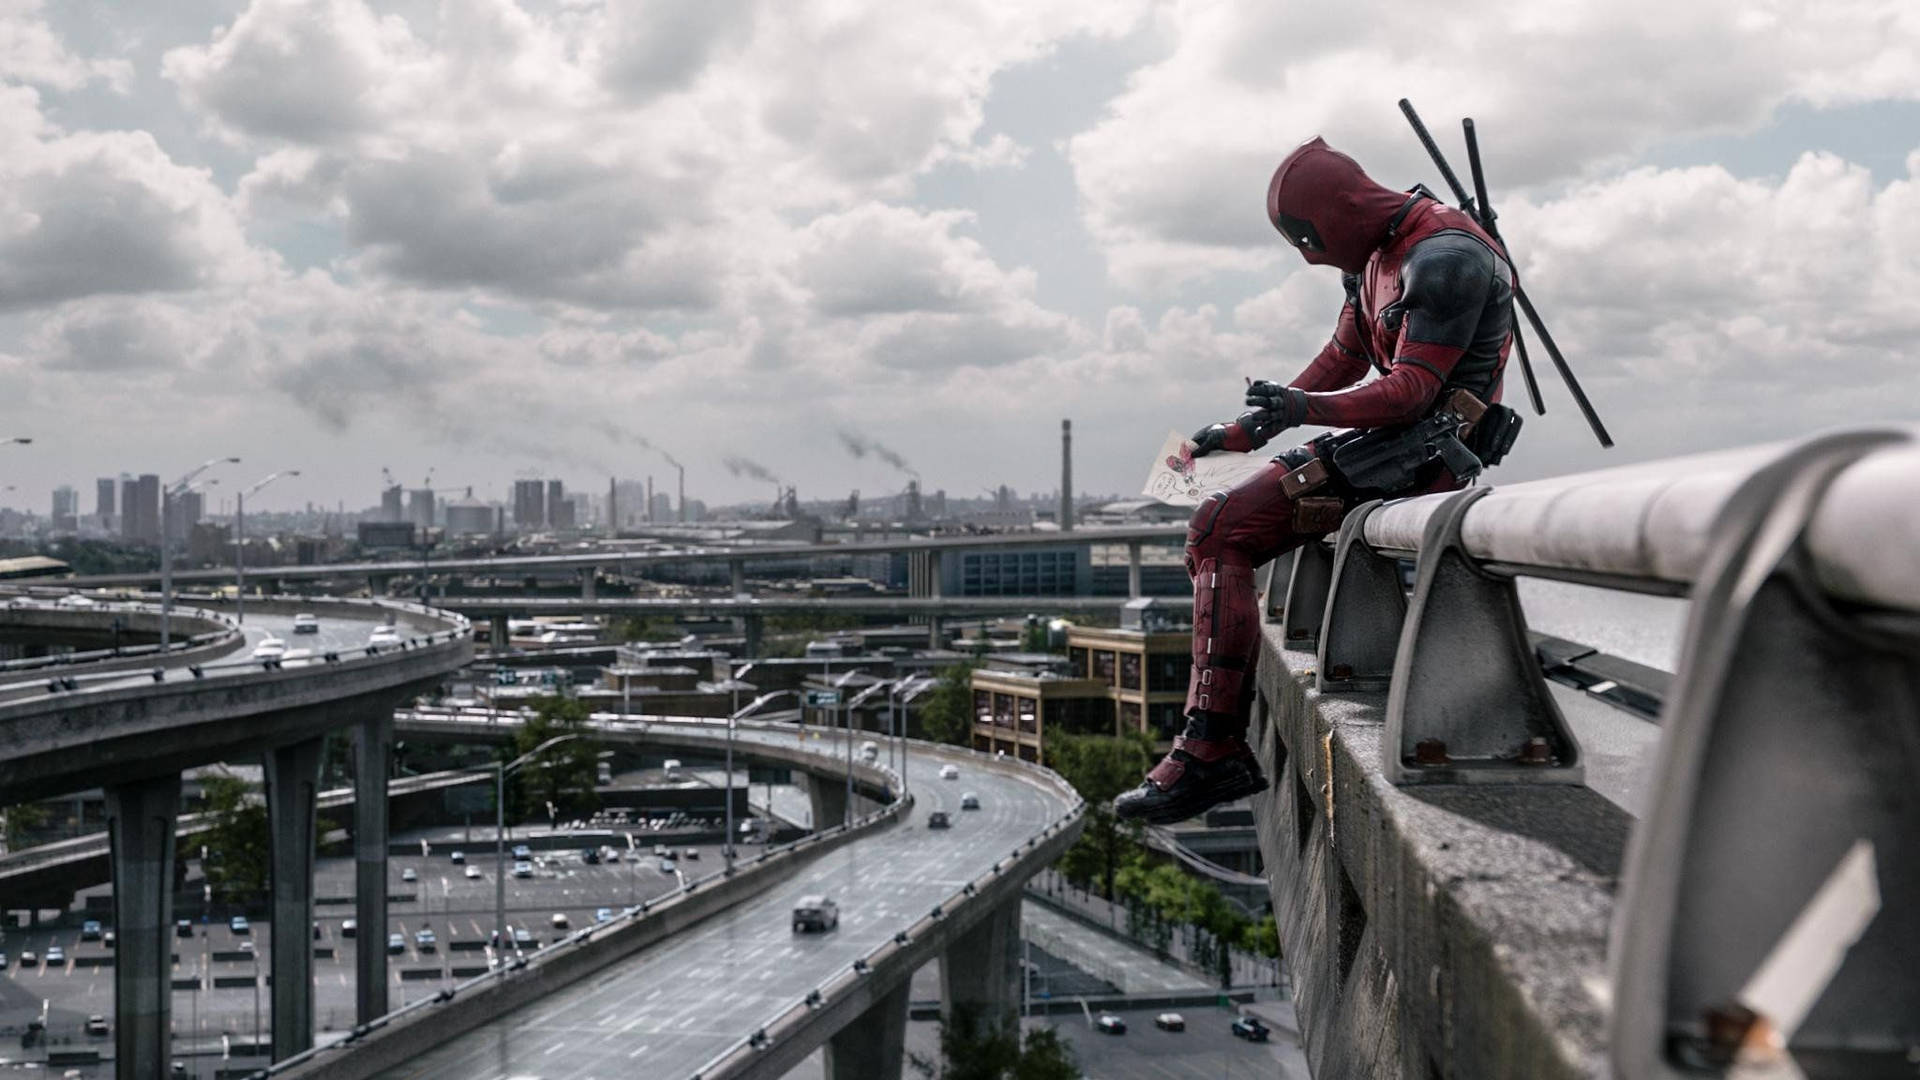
[752,470]
[860,446]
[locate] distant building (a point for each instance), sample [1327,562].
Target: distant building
[529,505]
[556,501]
[390,504]
[140,509]
[662,508]
[210,543]
[471,517]
[420,508]
[66,508]
[187,510]
[386,534]
[103,501]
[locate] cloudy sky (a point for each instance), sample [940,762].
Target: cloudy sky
[504,238]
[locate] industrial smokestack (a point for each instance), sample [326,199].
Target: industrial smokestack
[1066,475]
[613,508]
[649,498]
[683,492]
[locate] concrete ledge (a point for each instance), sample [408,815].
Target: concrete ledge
[419,1029]
[1432,931]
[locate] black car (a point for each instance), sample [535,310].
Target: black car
[1250,1029]
[590,856]
[939,820]
[1110,1024]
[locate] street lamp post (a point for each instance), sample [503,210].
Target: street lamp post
[166,543]
[240,543]
[500,772]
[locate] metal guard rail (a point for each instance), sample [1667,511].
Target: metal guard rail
[1770,905]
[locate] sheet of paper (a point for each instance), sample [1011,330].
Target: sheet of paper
[1179,478]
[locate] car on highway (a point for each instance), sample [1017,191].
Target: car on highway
[939,820]
[349,927]
[182,928]
[3,961]
[457,858]
[97,1025]
[523,938]
[869,751]
[590,856]
[239,925]
[1250,1028]
[408,873]
[424,940]
[474,872]
[56,955]
[949,772]
[815,913]
[604,914]
[668,866]
[306,623]
[270,648]
[690,853]
[396,943]
[384,634]
[522,852]
[90,930]
[969,801]
[523,869]
[610,854]
[1170,1021]
[108,939]
[1109,1024]
[559,920]
[661,851]
[75,600]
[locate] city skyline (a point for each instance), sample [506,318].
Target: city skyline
[770,234]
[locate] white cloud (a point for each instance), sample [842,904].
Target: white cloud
[30,52]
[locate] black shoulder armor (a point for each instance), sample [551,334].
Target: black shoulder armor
[1446,283]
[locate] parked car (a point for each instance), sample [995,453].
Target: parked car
[815,913]
[457,858]
[661,850]
[349,927]
[590,856]
[1250,1028]
[270,648]
[523,869]
[522,851]
[182,928]
[396,943]
[384,634]
[108,938]
[668,866]
[90,930]
[97,1025]
[610,854]
[523,938]
[559,920]
[473,872]
[3,961]
[306,623]
[604,914]
[239,925]
[56,955]
[29,958]
[1109,1024]
[424,940]
[316,930]
[408,873]
[969,801]
[1170,1021]
[938,820]
[949,772]
[247,947]
[691,853]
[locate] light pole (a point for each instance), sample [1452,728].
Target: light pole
[852,702]
[500,772]
[733,716]
[240,543]
[166,543]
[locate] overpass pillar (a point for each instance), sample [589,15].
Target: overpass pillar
[293,780]
[737,572]
[140,821]
[935,629]
[590,583]
[497,630]
[934,585]
[377,584]
[1133,569]
[828,800]
[874,1046]
[373,748]
[981,968]
[752,631]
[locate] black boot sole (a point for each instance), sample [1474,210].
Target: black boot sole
[1171,809]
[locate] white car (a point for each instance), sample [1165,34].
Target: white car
[306,623]
[473,872]
[409,874]
[270,648]
[384,634]
[75,600]
[949,772]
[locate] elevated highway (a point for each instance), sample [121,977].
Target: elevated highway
[738,993]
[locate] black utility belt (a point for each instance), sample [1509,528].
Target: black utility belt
[1464,434]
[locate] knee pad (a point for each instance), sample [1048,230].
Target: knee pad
[1203,530]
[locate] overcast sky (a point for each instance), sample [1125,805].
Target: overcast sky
[502,239]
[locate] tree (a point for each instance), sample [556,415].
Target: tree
[563,776]
[971,1048]
[238,860]
[1100,767]
[19,820]
[947,716]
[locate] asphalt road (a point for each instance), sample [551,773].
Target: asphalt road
[675,1006]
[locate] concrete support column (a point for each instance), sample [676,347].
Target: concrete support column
[935,628]
[376,584]
[737,571]
[497,631]
[874,1046]
[293,780]
[752,630]
[828,799]
[1133,569]
[590,583]
[140,821]
[982,967]
[373,750]
[934,585]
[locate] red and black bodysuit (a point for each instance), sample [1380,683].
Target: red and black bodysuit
[1430,309]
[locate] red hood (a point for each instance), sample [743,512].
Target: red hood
[1321,185]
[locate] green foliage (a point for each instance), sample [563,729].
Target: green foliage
[647,628]
[1261,937]
[1100,767]
[19,820]
[562,775]
[793,622]
[238,859]
[947,715]
[971,1048]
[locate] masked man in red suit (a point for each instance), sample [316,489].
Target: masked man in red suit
[1429,310]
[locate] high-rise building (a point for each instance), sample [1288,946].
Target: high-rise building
[557,506]
[66,508]
[470,517]
[662,507]
[103,501]
[420,508]
[529,504]
[187,510]
[140,509]
[390,504]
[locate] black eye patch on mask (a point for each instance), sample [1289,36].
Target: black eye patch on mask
[1301,233]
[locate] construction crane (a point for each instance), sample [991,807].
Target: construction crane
[386,477]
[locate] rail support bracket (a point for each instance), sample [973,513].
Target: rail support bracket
[1468,704]
[1306,598]
[1365,609]
[1782,812]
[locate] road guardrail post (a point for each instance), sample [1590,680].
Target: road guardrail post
[1306,600]
[1364,611]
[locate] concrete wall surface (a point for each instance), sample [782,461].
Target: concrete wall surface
[1436,931]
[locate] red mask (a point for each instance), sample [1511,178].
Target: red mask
[1328,208]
